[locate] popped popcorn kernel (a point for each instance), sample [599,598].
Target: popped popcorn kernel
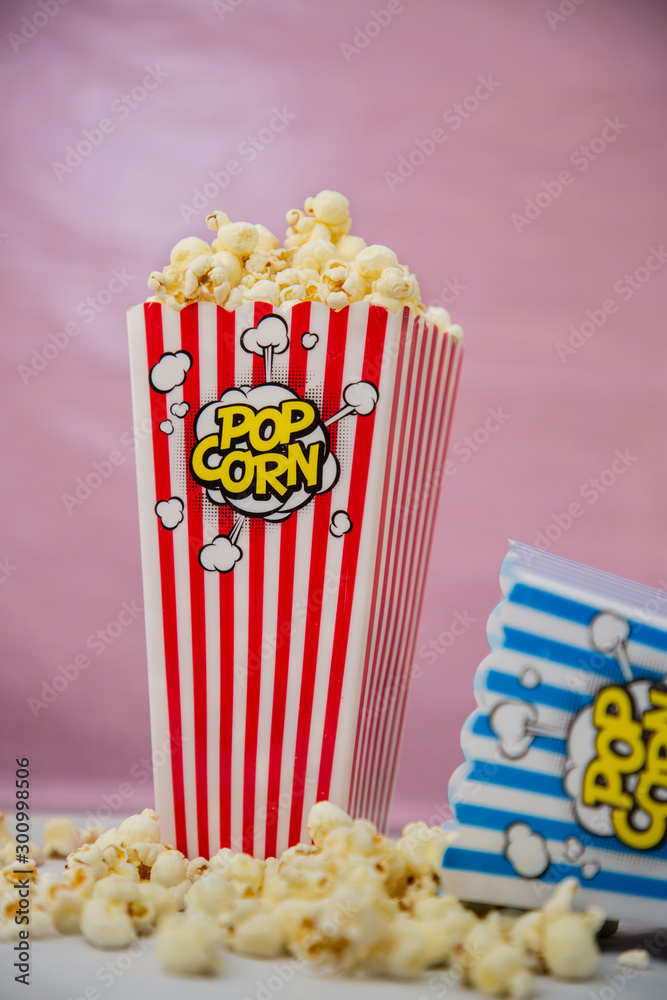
[373,260]
[570,948]
[152,903]
[502,971]
[438,316]
[143,828]
[239,238]
[634,958]
[331,207]
[186,250]
[260,934]
[61,837]
[322,819]
[170,868]
[189,944]
[213,894]
[348,247]
[105,923]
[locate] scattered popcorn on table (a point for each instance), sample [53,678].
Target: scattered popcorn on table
[319,262]
[354,901]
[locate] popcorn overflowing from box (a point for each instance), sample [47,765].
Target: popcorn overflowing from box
[294,393]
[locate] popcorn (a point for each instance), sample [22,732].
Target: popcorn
[61,837]
[635,958]
[267,241]
[397,283]
[372,261]
[570,950]
[502,971]
[188,943]
[422,847]
[186,251]
[40,921]
[105,923]
[143,828]
[213,894]
[153,902]
[260,934]
[330,207]
[148,853]
[119,861]
[170,868]
[239,238]
[319,262]
[323,818]
[314,253]
[196,868]
[64,907]
[348,247]
[263,291]
[116,888]
[438,316]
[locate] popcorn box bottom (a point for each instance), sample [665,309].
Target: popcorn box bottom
[287,495]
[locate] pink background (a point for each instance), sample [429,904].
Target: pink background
[67,574]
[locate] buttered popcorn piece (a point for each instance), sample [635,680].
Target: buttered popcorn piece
[320,261]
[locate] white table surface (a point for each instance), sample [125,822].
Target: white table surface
[63,968]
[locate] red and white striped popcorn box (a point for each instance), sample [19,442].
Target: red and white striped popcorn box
[287,494]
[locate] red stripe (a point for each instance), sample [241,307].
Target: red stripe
[363,441]
[397,667]
[333,383]
[454,372]
[386,666]
[155,350]
[364,719]
[300,321]
[226,372]
[376,670]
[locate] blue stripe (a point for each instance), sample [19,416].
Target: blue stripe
[572,656]
[543,694]
[551,604]
[581,614]
[494,864]
[517,777]
[481,727]
[560,652]
[551,829]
